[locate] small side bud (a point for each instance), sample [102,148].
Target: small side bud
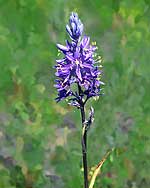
[90,119]
[91,115]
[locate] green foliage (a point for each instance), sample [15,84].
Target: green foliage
[39,139]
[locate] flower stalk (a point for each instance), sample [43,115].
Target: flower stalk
[84,147]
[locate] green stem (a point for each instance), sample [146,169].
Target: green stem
[84,149]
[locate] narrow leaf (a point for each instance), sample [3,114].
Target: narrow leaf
[98,168]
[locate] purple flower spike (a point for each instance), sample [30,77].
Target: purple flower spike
[78,75]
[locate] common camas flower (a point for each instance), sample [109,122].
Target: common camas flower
[78,66]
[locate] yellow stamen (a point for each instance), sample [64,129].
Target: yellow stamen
[77,62]
[94,43]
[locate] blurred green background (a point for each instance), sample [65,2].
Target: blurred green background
[39,139]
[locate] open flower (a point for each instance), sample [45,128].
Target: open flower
[77,67]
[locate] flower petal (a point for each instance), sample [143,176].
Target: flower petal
[62,48]
[85,41]
[74,27]
[78,73]
[68,30]
[69,57]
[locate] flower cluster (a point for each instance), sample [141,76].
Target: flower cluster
[77,67]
